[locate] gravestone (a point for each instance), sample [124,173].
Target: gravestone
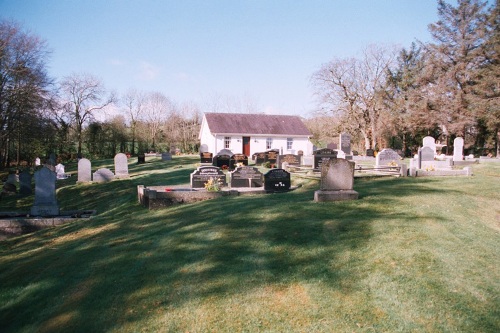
[425,157]
[45,203]
[121,166]
[387,157]
[322,155]
[260,158]
[277,180]
[429,141]
[332,146]
[237,158]
[272,156]
[246,176]
[25,183]
[37,161]
[84,171]
[60,173]
[52,159]
[141,158]
[458,149]
[203,174]
[12,178]
[291,159]
[204,148]
[221,161]
[206,157]
[103,175]
[166,156]
[337,181]
[370,153]
[345,143]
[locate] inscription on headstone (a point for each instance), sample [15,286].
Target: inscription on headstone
[84,171]
[203,174]
[321,155]
[121,166]
[246,177]
[277,180]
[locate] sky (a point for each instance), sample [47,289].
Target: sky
[206,52]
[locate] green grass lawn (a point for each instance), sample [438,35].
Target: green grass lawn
[411,255]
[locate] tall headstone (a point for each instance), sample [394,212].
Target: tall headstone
[425,157]
[84,171]
[429,141]
[121,166]
[337,181]
[45,203]
[60,172]
[103,175]
[25,183]
[345,143]
[458,149]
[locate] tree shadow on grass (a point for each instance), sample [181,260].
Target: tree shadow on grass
[129,263]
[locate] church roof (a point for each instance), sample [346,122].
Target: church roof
[255,124]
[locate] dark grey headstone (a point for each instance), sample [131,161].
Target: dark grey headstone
[45,203]
[246,177]
[121,166]
[221,161]
[291,159]
[277,180]
[25,183]
[272,156]
[84,171]
[166,156]
[206,157]
[370,152]
[237,158]
[203,174]
[103,175]
[321,155]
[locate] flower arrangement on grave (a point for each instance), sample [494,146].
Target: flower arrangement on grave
[225,167]
[213,184]
[430,168]
[240,164]
[393,164]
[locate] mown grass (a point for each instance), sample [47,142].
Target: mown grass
[411,255]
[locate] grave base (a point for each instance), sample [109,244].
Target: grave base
[329,195]
[44,210]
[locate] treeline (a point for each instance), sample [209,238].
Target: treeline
[393,97]
[387,97]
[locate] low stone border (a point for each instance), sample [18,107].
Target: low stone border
[13,223]
[467,171]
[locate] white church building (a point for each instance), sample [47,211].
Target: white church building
[251,133]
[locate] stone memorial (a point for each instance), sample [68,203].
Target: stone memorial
[322,155]
[458,149]
[337,181]
[291,159]
[37,161]
[272,156]
[45,203]
[259,158]
[370,153]
[206,157]
[166,156]
[277,180]
[12,178]
[246,176]
[25,183]
[121,166]
[426,157]
[387,157]
[203,174]
[429,141]
[103,175]
[345,143]
[204,148]
[141,158]
[84,171]
[237,159]
[221,161]
[60,173]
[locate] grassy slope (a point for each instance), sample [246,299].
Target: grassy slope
[410,255]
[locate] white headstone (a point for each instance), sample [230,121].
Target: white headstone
[429,141]
[60,171]
[121,166]
[103,175]
[84,171]
[37,161]
[458,149]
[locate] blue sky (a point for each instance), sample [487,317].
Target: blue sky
[259,51]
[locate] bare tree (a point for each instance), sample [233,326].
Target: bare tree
[157,108]
[83,95]
[350,89]
[134,105]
